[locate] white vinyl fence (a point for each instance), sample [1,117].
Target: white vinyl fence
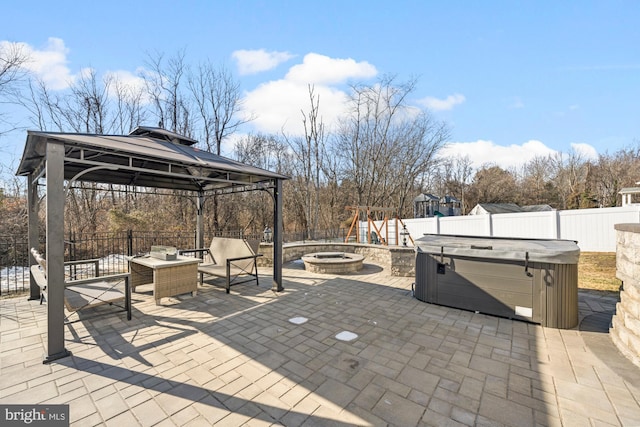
[593,229]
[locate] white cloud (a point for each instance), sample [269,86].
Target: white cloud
[127,81]
[256,61]
[127,78]
[322,69]
[49,63]
[278,104]
[446,104]
[587,151]
[483,152]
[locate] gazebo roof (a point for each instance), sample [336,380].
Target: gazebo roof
[148,157]
[629,190]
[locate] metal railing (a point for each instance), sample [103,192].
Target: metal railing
[14,261]
[113,249]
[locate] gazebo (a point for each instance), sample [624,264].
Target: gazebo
[628,195]
[148,158]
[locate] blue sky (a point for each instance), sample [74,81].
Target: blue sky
[513,79]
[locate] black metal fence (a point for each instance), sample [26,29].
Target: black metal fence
[113,249]
[14,261]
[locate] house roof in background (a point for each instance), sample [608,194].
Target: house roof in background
[498,208]
[426,197]
[495,208]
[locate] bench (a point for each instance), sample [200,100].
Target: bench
[233,259]
[80,294]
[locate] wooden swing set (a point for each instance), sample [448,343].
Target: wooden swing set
[374,233]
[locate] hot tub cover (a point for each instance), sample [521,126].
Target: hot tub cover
[552,251]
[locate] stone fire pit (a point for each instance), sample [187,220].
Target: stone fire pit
[333,262]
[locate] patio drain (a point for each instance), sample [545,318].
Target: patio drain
[298,320]
[346,336]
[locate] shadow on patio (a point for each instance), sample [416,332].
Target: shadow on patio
[237,358]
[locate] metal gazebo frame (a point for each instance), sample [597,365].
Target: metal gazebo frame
[147,157]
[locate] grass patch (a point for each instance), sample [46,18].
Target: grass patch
[597,270]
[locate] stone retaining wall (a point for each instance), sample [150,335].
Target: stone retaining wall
[400,260]
[625,325]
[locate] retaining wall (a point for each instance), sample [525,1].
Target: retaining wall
[625,325]
[399,259]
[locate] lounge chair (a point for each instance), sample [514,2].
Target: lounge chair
[233,259]
[80,294]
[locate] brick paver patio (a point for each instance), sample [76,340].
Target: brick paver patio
[237,359]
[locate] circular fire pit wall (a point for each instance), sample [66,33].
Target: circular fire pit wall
[333,262]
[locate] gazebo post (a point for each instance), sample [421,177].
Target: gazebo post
[55,252]
[33,233]
[277,237]
[200,220]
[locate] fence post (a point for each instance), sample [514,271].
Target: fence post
[555,227]
[129,243]
[71,254]
[489,225]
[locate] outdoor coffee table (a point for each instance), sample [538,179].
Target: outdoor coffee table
[169,278]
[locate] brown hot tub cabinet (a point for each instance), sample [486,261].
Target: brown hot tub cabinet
[534,280]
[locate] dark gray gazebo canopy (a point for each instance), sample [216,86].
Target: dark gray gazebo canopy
[148,157]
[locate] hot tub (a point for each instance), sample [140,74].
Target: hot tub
[534,280]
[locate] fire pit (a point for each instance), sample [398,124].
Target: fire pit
[333,262]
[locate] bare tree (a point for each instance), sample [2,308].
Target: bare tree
[266,152]
[307,164]
[492,184]
[165,86]
[219,104]
[569,178]
[335,195]
[12,59]
[536,183]
[385,145]
[217,98]
[35,102]
[612,172]
[89,105]
[84,107]
[129,109]
[12,71]
[263,151]
[455,175]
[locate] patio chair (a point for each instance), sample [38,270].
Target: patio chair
[80,294]
[233,259]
